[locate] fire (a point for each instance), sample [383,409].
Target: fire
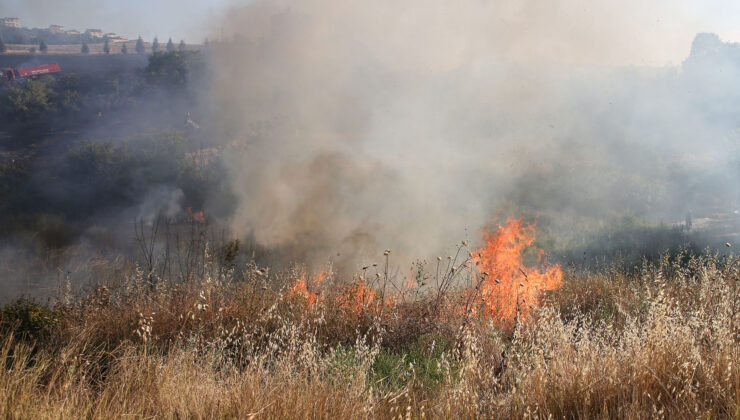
[509,289]
[198,217]
[359,297]
[301,287]
[355,298]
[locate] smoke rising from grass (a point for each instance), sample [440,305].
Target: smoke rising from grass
[411,125]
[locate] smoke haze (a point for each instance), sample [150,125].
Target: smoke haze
[331,130]
[380,124]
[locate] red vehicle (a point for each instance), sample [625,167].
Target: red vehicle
[25,72]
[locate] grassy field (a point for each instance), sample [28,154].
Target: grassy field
[213,341]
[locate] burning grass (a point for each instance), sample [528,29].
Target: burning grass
[659,342]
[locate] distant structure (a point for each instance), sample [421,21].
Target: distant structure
[73,32]
[56,29]
[94,33]
[10,22]
[112,37]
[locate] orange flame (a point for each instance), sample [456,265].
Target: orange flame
[359,297]
[198,217]
[301,288]
[510,289]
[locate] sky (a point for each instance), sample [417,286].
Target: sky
[190,20]
[665,27]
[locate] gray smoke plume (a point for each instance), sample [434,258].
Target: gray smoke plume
[362,126]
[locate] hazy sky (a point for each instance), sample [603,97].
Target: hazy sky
[179,19]
[660,31]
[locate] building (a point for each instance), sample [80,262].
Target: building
[94,33]
[10,22]
[117,38]
[56,29]
[73,32]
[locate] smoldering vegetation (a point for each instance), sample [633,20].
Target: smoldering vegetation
[86,156]
[658,342]
[328,137]
[377,211]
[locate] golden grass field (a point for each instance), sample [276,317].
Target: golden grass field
[659,342]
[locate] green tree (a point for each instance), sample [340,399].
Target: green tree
[170,46]
[28,101]
[124,49]
[140,49]
[106,46]
[43,47]
[155,45]
[169,69]
[85,49]
[3,47]
[182,46]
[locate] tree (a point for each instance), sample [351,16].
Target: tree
[85,49]
[170,46]
[140,49]
[106,46]
[3,47]
[32,50]
[155,45]
[170,69]
[30,100]
[182,47]
[43,47]
[124,50]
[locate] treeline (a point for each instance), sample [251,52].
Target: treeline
[72,99]
[83,149]
[36,35]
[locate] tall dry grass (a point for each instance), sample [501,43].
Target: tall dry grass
[661,342]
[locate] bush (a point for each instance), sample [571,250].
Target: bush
[170,69]
[28,101]
[28,319]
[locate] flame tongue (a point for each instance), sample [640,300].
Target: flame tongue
[308,288]
[510,288]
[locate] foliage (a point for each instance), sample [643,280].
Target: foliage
[85,49]
[36,35]
[170,69]
[29,100]
[140,49]
[43,47]
[29,319]
[3,47]
[170,45]
[236,344]
[106,46]
[424,361]
[155,45]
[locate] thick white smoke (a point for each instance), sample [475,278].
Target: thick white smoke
[365,125]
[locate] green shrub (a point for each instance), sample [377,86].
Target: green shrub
[426,361]
[28,319]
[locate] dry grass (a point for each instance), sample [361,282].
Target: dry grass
[662,342]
